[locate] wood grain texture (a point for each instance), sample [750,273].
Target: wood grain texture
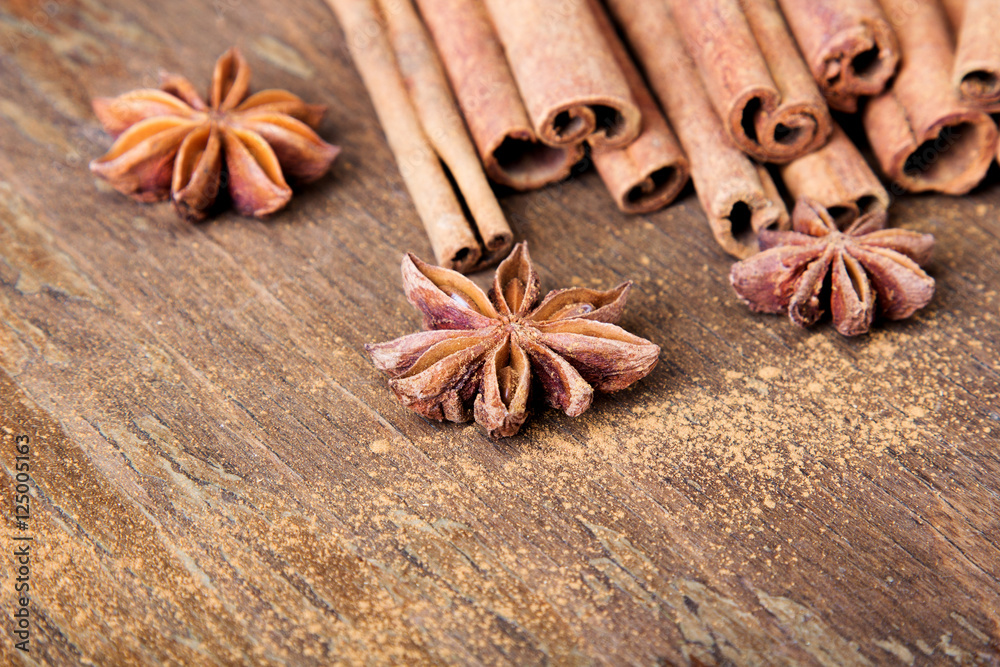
[222,477]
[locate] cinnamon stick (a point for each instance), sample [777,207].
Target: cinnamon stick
[977,58]
[570,83]
[485,90]
[955,9]
[425,131]
[755,76]
[924,136]
[848,44]
[837,177]
[650,172]
[738,196]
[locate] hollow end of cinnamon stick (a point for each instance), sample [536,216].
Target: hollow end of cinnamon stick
[658,188]
[924,136]
[755,76]
[651,171]
[837,177]
[857,63]
[784,133]
[521,162]
[481,80]
[769,134]
[739,209]
[952,156]
[955,160]
[570,84]
[979,85]
[737,229]
[641,186]
[977,57]
[601,121]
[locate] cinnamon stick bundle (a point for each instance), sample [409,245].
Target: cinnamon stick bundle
[848,44]
[838,177]
[755,76]
[924,136]
[977,59]
[650,172]
[738,196]
[570,83]
[485,90]
[422,124]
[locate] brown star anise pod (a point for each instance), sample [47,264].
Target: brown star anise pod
[861,269]
[171,143]
[480,353]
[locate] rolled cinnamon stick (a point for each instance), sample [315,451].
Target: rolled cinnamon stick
[738,196]
[485,90]
[924,136]
[570,83]
[650,172]
[977,58]
[837,177]
[755,76]
[848,44]
[424,129]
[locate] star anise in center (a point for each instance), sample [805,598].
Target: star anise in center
[863,269]
[482,354]
[171,143]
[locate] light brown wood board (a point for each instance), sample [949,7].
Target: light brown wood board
[222,477]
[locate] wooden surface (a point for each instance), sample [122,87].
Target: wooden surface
[222,477]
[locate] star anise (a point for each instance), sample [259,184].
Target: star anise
[171,143]
[480,353]
[859,270]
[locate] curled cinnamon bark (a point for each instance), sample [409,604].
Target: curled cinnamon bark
[977,58]
[485,90]
[569,81]
[848,44]
[738,196]
[837,177]
[650,172]
[924,136]
[425,131]
[755,76]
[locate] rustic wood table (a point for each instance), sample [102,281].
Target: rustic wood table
[220,476]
